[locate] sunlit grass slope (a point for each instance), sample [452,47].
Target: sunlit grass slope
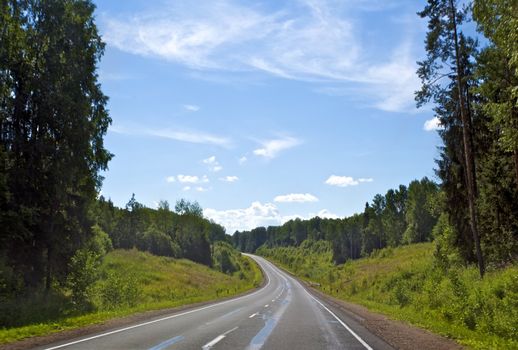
[133,281]
[406,284]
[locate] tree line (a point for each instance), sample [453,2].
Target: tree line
[401,216]
[179,233]
[473,213]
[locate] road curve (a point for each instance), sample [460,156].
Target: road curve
[280,315]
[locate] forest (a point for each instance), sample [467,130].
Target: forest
[55,229]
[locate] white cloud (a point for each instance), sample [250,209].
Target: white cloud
[257,214]
[242,160]
[296,197]
[325,214]
[311,40]
[192,108]
[229,179]
[202,189]
[432,124]
[187,188]
[271,148]
[213,164]
[189,179]
[345,181]
[170,179]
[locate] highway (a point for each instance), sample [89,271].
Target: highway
[280,315]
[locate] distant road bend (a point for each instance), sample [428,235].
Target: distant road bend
[281,315]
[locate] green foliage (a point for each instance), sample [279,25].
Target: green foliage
[184,207]
[157,242]
[116,291]
[226,258]
[161,231]
[84,269]
[420,216]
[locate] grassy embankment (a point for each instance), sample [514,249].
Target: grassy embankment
[406,284]
[132,281]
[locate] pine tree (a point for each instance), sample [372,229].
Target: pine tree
[446,47]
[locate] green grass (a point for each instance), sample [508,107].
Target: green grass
[405,284]
[133,281]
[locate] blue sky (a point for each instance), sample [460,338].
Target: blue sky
[263,111]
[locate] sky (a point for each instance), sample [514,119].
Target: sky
[264,111]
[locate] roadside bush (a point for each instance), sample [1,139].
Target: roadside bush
[225,258]
[117,291]
[158,243]
[84,269]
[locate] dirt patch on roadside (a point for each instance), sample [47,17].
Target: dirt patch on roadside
[396,333]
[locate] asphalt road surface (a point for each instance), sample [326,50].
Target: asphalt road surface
[281,315]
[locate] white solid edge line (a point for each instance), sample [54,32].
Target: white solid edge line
[341,322]
[367,346]
[160,319]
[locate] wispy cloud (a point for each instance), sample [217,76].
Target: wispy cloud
[242,160]
[190,136]
[192,108]
[213,164]
[271,148]
[202,189]
[229,179]
[432,124]
[345,181]
[296,197]
[177,135]
[311,40]
[197,188]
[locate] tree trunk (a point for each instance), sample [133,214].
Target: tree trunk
[515,156]
[48,279]
[468,148]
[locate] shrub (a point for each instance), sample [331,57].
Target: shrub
[118,291]
[84,269]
